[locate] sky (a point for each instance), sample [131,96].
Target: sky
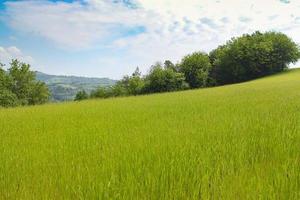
[110,38]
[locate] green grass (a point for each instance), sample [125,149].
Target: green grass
[234,142]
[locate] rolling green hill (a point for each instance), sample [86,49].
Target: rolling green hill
[233,142]
[64,88]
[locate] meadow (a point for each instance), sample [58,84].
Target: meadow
[239,141]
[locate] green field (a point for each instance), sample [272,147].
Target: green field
[239,141]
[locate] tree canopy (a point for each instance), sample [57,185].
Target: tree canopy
[240,59]
[195,68]
[252,56]
[81,95]
[164,79]
[18,86]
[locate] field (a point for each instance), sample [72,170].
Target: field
[239,141]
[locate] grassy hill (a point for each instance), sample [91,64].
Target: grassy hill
[64,88]
[234,142]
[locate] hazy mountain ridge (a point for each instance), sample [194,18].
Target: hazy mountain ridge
[64,88]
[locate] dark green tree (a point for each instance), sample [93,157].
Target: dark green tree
[169,65]
[24,85]
[162,79]
[134,84]
[8,99]
[195,68]
[251,56]
[22,81]
[81,95]
[101,92]
[18,86]
[4,78]
[39,94]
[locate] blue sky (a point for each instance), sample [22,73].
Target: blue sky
[110,38]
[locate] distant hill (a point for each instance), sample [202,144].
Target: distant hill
[64,88]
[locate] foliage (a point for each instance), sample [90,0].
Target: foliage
[128,85]
[232,142]
[8,98]
[240,59]
[164,79]
[196,69]
[132,85]
[169,65]
[5,81]
[252,56]
[101,92]
[19,86]
[81,95]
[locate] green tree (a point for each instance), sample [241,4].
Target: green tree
[4,79]
[39,94]
[169,65]
[19,86]
[22,81]
[81,95]
[24,85]
[252,56]
[100,92]
[134,84]
[8,98]
[196,69]
[162,79]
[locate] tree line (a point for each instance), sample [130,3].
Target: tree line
[241,59]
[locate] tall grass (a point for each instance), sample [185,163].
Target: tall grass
[233,142]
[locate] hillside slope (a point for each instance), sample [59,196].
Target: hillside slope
[64,88]
[233,142]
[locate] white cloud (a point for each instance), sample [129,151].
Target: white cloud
[9,53]
[73,25]
[173,27]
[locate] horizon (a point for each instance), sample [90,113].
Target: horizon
[109,39]
[290,68]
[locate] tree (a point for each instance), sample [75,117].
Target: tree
[101,92]
[162,79]
[169,65]
[4,79]
[128,85]
[196,69]
[19,86]
[8,99]
[285,51]
[81,95]
[39,94]
[22,80]
[252,56]
[134,84]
